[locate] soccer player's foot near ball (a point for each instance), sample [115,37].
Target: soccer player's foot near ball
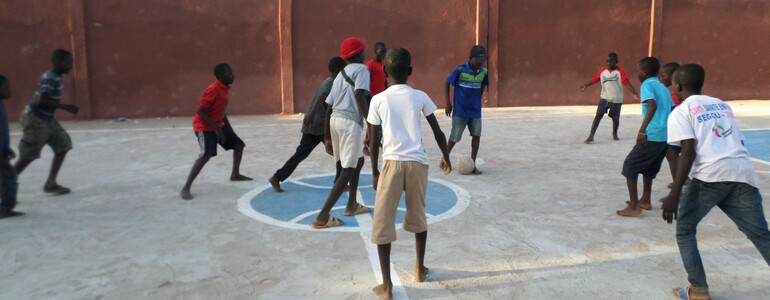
[239,177]
[383,291]
[55,189]
[589,140]
[6,212]
[185,194]
[629,211]
[476,171]
[276,184]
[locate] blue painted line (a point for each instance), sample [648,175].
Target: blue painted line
[758,143]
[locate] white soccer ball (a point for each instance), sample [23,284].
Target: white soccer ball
[464,165]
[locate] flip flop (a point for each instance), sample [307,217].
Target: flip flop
[58,190]
[360,209]
[684,293]
[332,222]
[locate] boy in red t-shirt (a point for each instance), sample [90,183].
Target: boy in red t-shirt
[211,127]
[377,76]
[672,156]
[613,79]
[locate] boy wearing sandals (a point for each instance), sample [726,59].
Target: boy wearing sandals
[396,113]
[344,131]
[722,175]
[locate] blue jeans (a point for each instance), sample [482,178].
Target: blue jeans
[741,202]
[459,124]
[9,185]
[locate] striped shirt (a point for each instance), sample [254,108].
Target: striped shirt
[467,96]
[52,85]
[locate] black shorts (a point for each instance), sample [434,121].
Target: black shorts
[613,108]
[645,160]
[207,140]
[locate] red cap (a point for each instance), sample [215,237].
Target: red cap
[350,47]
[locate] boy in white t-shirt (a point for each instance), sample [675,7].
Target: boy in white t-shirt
[613,78]
[396,113]
[722,175]
[344,131]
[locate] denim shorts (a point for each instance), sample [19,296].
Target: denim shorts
[458,126]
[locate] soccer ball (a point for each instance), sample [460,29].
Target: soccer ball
[464,165]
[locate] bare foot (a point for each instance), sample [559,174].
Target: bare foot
[589,140]
[420,274]
[615,137]
[239,177]
[56,189]
[645,204]
[7,213]
[276,184]
[185,194]
[476,171]
[383,291]
[629,211]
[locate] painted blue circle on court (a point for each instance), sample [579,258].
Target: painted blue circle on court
[302,199]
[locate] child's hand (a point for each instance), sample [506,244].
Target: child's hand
[375,178]
[329,148]
[308,121]
[446,166]
[641,139]
[448,110]
[669,207]
[582,87]
[220,136]
[636,98]
[72,109]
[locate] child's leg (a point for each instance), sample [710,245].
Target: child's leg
[644,202]
[458,126]
[601,109]
[307,144]
[50,185]
[384,290]
[232,141]
[353,187]
[474,127]
[633,202]
[615,116]
[744,206]
[10,186]
[21,164]
[61,143]
[196,168]
[420,271]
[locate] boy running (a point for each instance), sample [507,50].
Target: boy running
[613,78]
[212,127]
[469,80]
[396,113]
[41,128]
[344,131]
[650,149]
[722,176]
[8,180]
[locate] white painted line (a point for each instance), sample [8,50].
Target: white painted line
[760,161]
[755,129]
[365,225]
[763,172]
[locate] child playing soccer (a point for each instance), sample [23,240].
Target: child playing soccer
[613,78]
[650,149]
[396,113]
[344,131]
[8,179]
[723,176]
[672,156]
[312,126]
[469,80]
[41,128]
[212,126]
[377,82]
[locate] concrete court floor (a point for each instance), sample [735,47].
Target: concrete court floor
[541,222]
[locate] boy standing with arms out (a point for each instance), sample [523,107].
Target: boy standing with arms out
[212,126]
[312,126]
[723,176]
[344,131]
[8,180]
[396,113]
[469,80]
[41,128]
[650,149]
[613,79]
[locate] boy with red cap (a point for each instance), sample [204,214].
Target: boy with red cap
[344,130]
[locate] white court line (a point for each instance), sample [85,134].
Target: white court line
[759,161]
[755,129]
[365,224]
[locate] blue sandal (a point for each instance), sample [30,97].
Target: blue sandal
[684,293]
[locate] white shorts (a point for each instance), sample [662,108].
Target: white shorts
[347,141]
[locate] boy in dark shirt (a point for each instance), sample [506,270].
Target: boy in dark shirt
[8,178]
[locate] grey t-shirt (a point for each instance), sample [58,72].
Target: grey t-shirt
[317,128]
[342,96]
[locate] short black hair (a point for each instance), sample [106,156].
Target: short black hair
[651,65]
[379,45]
[613,55]
[669,68]
[397,63]
[691,77]
[220,69]
[3,80]
[60,55]
[336,63]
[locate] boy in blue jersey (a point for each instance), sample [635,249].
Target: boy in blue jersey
[651,147]
[469,80]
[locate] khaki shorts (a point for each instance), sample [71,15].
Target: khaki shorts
[347,141]
[396,177]
[38,133]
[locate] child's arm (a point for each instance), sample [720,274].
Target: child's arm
[633,91]
[311,116]
[441,141]
[585,85]
[46,102]
[361,101]
[374,153]
[327,131]
[641,138]
[671,204]
[208,120]
[448,109]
